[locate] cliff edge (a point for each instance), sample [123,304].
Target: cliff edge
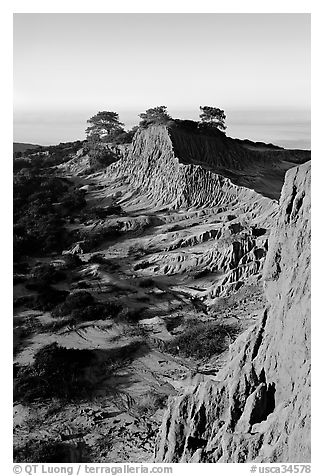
[258,409]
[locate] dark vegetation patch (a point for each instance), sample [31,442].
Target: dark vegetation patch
[45,157]
[72,261]
[56,373]
[90,240]
[202,340]
[70,374]
[74,301]
[81,306]
[49,298]
[137,251]
[96,311]
[130,315]
[151,402]
[202,274]
[198,128]
[41,201]
[142,265]
[44,275]
[80,285]
[146,283]
[27,301]
[100,213]
[52,451]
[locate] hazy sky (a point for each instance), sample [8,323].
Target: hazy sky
[69,66]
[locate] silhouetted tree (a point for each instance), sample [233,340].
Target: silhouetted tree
[155,115]
[213,116]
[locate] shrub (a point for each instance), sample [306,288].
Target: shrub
[150,403]
[56,325]
[72,261]
[138,251]
[44,275]
[146,283]
[142,265]
[74,301]
[73,199]
[97,258]
[56,373]
[81,285]
[38,223]
[96,213]
[52,451]
[201,274]
[49,298]
[130,315]
[23,301]
[95,312]
[81,306]
[203,340]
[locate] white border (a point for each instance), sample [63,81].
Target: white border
[166,6]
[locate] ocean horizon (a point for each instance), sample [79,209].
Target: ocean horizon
[289,129]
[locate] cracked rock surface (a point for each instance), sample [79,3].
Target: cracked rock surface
[259,407]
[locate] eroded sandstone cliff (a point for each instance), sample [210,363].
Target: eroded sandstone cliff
[259,407]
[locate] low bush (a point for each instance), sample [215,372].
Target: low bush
[150,403]
[74,301]
[56,325]
[137,251]
[72,261]
[203,340]
[81,307]
[23,301]
[97,213]
[49,298]
[130,315]
[95,312]
[44,275]
[146,283]
[81,285]
[97,258]
[201,274]
[51,451]
[56,373]
[142,265]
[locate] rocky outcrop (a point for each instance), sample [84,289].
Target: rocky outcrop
[258,409]
[173,169]
[163,171]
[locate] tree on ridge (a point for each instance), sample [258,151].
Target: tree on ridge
[213,116]
[154,115]
[105,124]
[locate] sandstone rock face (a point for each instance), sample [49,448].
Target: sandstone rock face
[189,175]
[160,164]
[258,409]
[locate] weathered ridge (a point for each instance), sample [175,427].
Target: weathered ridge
[184,279]
[259,408]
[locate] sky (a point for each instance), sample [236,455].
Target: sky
[256,67]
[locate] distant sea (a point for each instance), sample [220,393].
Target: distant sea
[289,129]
